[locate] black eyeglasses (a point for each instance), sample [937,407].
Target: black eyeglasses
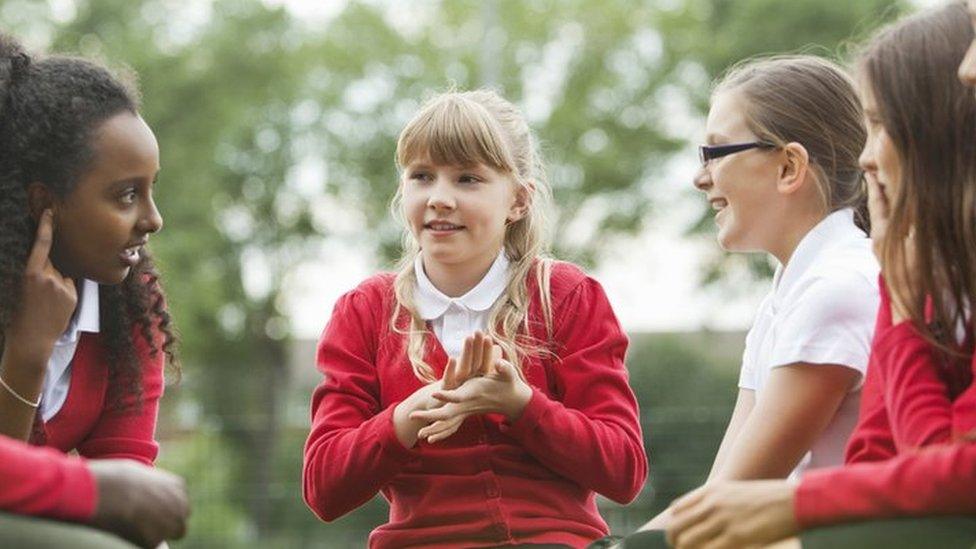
[711,152]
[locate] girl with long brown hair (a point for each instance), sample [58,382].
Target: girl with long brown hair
[912,453]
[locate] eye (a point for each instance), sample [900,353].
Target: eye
[421,177]
[469,179]
[128,196]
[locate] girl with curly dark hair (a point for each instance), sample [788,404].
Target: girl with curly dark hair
[84,329]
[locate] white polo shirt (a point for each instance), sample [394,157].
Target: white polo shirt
[821,310]
[455,318]
[57,380]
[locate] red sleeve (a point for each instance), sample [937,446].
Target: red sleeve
[591,435]
[127,426]
[915,394]
[938,480]
[352,450]
[904,402]
[43,482]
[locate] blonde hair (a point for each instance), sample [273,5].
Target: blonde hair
[464,129]
[814,102]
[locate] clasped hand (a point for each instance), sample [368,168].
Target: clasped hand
[479,382]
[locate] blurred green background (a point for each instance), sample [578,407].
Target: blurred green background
[277,123]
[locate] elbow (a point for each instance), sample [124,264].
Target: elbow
[630,484]
[320,504]
[316,492]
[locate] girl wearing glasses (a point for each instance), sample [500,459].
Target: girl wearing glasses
[912,458]
[780,170]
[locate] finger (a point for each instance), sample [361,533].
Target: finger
[450,374]
[464,366]
[688,500]
[699,534]
[455,396]
[484,365]
[687,521]
[452,427]
[496,357]
[468,390]
[437,428]
[477,353]
[42,241]
[435,414]
[505,371]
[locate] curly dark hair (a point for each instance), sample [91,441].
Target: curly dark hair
[50,108]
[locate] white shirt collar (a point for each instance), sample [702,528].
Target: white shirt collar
[836,228]
[87,315]
[432,303]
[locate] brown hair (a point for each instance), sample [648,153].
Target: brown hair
[811,101]
[930,117]
[468,128]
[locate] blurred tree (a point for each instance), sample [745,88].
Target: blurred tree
[277,134]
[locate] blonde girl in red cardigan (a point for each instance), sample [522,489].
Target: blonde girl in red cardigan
[480,388]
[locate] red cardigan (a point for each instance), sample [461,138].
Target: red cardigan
[45,482]
[907,455]
[492,483]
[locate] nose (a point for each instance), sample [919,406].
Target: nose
[702,179]
[441,196]
[151,220]
[967,69]
[866,160]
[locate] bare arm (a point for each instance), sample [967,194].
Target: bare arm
[796,406]
[46,303]
[744,404]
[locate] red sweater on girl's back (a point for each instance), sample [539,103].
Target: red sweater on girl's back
[46,483]
[493,482]
[909,454]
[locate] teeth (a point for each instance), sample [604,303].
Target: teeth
[442,226]
[718,203]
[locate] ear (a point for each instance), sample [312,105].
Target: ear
[793,171]
[40,198]
[523,200]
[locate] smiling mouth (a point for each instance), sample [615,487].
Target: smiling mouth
[441,226]
[131,255]
[718,204]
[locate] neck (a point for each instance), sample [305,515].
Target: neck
[457,279]
[791,234]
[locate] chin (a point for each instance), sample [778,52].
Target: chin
[110,278]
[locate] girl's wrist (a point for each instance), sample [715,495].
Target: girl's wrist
[520,397]
[406,429]
[33,360]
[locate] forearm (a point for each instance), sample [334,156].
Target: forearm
[24,378]
[603,452]
[935,481]
[346,467]
[44,482]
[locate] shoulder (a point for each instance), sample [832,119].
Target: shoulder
[851,262]
[378,285]
[564,279]
[370,299]
[836,292]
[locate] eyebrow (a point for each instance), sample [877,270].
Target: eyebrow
[135,179]
[713,137]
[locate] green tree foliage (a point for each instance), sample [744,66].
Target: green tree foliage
[278,134]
